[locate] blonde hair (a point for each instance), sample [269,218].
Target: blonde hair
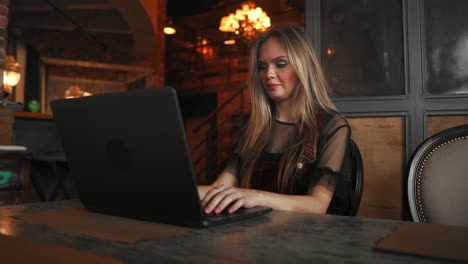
[310,97]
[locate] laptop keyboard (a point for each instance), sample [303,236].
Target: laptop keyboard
[224,214]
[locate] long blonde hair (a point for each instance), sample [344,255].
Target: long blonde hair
[310,97]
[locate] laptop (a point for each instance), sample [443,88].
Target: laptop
[128,155]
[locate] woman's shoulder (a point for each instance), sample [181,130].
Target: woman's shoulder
[328,118]
[332,122]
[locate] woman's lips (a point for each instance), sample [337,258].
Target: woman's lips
[272,86]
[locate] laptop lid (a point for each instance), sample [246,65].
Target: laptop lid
[128,154]
[129,157]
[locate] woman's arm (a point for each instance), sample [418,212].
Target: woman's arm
[319,195]
[316,201]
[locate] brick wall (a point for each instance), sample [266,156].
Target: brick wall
[3,34]
[156,11]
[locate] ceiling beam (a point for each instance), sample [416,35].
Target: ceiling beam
[46,7]
[96,65]
[64,27]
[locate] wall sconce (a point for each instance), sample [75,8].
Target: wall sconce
[229,42]
[11,74]
[168,29]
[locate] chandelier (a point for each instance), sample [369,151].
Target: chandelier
[247,22]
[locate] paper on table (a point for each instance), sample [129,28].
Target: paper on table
[443,241]
[13,148]
[85,222]
[13,251]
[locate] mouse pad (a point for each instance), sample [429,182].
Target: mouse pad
[433,240]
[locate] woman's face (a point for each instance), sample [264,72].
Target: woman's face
[276,74]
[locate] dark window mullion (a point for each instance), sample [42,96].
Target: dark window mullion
[312,24]
[414,36]
[380,106]
[448,104]
[416,125]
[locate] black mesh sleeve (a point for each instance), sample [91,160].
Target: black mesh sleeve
[331,166]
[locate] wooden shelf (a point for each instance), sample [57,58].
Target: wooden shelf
[33,115]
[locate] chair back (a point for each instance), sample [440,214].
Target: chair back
[438,178]
[356,172]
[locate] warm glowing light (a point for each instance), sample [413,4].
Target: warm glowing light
[203,47]
[7,227]
[169,30]
[229,42]
[11,74]
[330,51]
[74,91]
[247,21]
[11,78]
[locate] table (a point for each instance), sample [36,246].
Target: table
[278,237]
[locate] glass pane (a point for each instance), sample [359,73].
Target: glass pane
[362,47]
[381,141]
[63,87]
[446,46]
[436,124]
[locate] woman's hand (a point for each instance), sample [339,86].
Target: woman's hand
[219,198]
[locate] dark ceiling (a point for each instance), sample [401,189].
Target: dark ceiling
[74,24]
[95,22]
[119,31]
[178,9]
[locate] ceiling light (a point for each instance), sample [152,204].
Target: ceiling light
[168,29]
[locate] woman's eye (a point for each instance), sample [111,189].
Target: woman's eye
[261,68]
[281,64]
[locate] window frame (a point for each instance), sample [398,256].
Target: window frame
[415,105]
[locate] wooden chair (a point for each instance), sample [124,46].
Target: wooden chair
[438,178]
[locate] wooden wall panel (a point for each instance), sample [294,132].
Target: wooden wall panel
[381,141]
[6,126]
[438,123]
[197,152]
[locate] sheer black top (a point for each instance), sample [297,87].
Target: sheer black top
[327,164]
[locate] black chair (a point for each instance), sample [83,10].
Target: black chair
[438,178]
[56,164]
[355,172]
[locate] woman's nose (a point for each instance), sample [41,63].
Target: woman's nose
[270,73]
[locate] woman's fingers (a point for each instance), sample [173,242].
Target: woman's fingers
[216,198]
[227,200]
[211,193]
[238,204]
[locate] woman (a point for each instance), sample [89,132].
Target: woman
[293,150]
